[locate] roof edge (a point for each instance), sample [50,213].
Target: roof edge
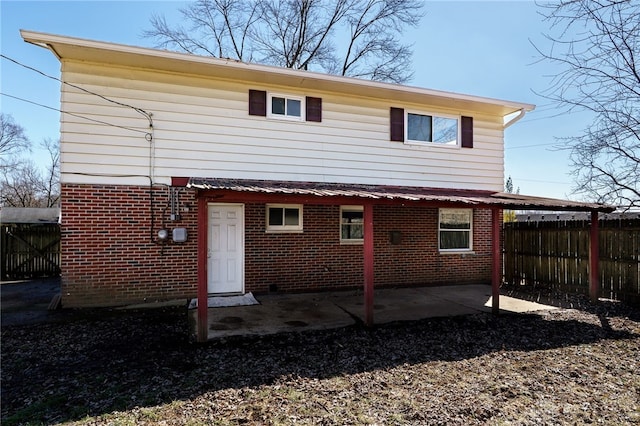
[49,41]
[396,194]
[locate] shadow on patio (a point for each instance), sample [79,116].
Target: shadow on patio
[278,313]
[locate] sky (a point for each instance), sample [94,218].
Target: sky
[482,48]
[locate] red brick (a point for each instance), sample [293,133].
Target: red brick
[110,255]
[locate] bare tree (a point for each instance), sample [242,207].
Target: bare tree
[295,33]
[50,186]
[13,140]
[26,185]
[299,34]
[218,28]
[374,50]
[508,187]
[510,215]
[597,47]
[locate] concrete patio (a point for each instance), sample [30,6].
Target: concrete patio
[279,313]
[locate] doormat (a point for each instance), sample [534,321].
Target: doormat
[246,299]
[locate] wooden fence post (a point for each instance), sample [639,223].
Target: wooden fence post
[496,273]
[594,258]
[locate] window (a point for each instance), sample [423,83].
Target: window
[426,129]
[285,107]
[431,128]
[351,224]
[454,229]
[284,218]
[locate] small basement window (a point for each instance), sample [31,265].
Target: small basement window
[351,224]
[437,129]
[455,229]
[285,107]
[284,218]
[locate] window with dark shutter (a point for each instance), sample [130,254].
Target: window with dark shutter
[397,124]
[466,130]
[314,109]
[257,102]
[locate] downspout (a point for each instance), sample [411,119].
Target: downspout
[515,119]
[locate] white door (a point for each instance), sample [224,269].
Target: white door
[225,252]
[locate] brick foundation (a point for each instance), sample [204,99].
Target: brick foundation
[111,256]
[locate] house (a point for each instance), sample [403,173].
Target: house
[185,175]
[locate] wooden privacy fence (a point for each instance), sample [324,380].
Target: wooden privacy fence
[555,255]
[29,250]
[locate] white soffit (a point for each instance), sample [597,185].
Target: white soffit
[71,48]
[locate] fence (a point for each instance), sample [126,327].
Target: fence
[555,255]
[29,250]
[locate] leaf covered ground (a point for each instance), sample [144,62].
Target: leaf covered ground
[568,366]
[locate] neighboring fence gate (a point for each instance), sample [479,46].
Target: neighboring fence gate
[29,251]
[555,255]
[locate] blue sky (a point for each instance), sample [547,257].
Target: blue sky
[474,47]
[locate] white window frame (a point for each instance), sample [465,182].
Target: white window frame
[349,208]
[470,231]
[432,115]
[270,113]
[283,228]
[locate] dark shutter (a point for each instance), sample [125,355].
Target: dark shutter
[257,102]
[314,109]
[397,124]
[466,138]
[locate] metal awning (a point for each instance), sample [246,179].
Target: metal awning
[386,193]
[244,190]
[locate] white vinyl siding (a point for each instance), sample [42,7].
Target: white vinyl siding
[202,128]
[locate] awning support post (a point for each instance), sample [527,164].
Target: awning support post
[202,323]
[368,264]
[594,258]
[496,272]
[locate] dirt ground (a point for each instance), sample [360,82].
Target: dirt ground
[568,366]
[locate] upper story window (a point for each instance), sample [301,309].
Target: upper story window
[436,129]
[295,108]
[286,107]
[284,217]
[430,129]
[455,229]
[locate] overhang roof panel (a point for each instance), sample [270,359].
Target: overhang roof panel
[399,194]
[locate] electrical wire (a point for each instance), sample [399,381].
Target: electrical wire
[531,146]
[74,115]
[147,134]
[138,110]
[539,181]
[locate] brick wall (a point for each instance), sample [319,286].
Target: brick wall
[416,260]
[311,260]
[315,259]
[110,253]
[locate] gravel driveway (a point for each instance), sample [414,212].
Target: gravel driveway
[568,366]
